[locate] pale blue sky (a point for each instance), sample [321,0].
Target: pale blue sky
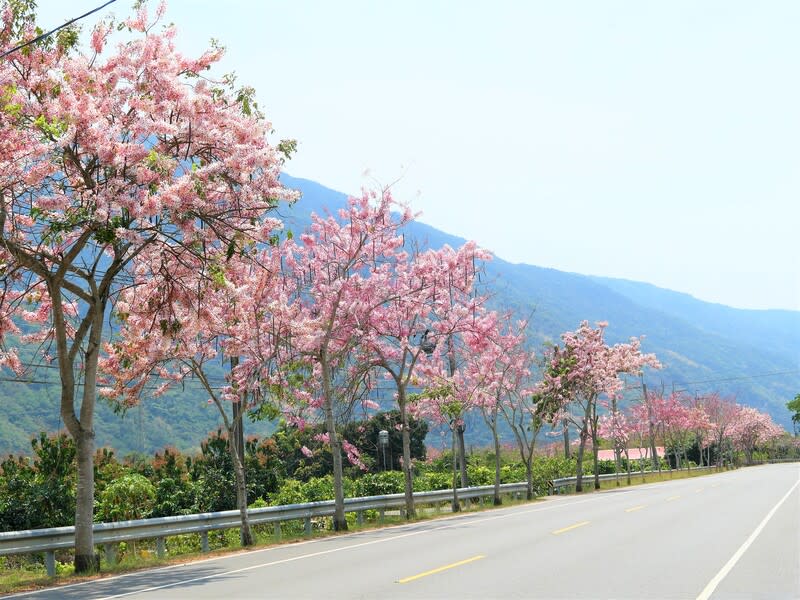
[651,141]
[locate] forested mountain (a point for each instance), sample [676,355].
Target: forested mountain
[754,355]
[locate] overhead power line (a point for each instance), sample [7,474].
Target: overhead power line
[51,32]
[740,378]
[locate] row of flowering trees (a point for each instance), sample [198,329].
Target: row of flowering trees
[581,388]
[583,374]
[139,243]
[681,421]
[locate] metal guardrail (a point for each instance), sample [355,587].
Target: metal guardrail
[567,482]
[47,541]
[109,534]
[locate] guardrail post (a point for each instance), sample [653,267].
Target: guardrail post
[161,547]
[277,530]
[110,551]
[50,563]
[307,525]
[360,517]
[203,541]
[381,514]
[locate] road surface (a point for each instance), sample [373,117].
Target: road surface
[728,535]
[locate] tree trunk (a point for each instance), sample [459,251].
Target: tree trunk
[529,477]
[236,450]
[628,464]
[459,430]
[651,430]
[700,448]
[407,467]
[579,465]
[339,519]
[454,479]
[617,449]
[641,465]
[686,460]
[497,499]
[237,433]
[462,455]
[595,447]
[246,534]
[566,438]
[82,431]
[86,561]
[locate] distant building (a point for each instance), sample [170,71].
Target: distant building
[633,453]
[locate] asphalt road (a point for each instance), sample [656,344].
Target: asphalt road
[728,535]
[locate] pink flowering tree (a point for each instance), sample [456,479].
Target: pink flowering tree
[503,365]
[722,414]
[676,424]
[431,299]
[614,426]
[643,428]
[456,380]
[340,271]
[104,156]
[752,429]
[701,426]
[514,396]
[578,374]
[210,307]
[447,396]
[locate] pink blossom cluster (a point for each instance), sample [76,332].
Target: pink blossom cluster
[679,420]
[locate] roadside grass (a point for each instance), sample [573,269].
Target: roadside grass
[20,574]
[638,479]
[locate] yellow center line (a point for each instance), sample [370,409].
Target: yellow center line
[440,569]
[635,508]
[571,527]
[671,498]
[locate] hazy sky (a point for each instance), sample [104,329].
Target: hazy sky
[651,141]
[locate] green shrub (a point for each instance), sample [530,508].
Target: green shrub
[380,484]
[512,473]
[431,480]
[480,475]
[130,497]
[290,492]
[173,497]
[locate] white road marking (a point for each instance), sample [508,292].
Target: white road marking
[712,585]
[350,547]
[602,494]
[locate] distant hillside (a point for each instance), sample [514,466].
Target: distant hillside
[777,331]
[752,354]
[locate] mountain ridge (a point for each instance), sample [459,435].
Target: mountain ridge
[697,340]
[751,354]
